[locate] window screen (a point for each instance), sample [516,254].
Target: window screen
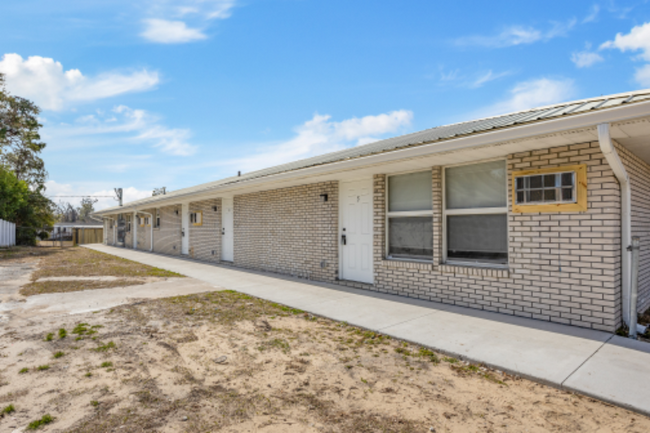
[410,237]
[476,213]
[476,186]
[478,238]
[410,192]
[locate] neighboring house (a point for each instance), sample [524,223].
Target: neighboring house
[527,214]
[64,230]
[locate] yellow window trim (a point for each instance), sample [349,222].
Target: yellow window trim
[581,191]
[198,212]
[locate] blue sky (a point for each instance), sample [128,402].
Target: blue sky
[144,94]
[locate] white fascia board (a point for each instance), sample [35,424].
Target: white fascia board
[589,119]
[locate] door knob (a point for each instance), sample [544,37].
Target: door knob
[344,240]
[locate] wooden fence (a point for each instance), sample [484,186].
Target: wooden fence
[82,236]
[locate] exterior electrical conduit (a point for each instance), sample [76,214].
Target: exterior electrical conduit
[609,151]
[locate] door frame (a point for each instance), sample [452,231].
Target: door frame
[185,220]
[231,201]
[339,231]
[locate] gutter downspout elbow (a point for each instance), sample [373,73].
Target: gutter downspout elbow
[609,151]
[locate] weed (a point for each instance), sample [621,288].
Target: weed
[450,360]
[88,374]
[78,338]
[276,343]
[105,347]
[23,370]
[8,409]
[58,354]
[49,337]
[63,333]
[34,425]
[96,326]
[106,364]
[94,403]
[364,381]
[426,353]
[80,329]
[43,367]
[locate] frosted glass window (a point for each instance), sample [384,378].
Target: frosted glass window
[410,237]
[476,186]
[410,192]
[477,238]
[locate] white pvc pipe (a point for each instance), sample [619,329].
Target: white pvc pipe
[609,151]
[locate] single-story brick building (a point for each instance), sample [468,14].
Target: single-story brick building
[528,214]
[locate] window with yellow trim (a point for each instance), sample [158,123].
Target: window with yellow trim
[560,189]
[196,218]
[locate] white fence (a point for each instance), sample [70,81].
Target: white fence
[7,234]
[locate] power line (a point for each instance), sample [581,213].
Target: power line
[92,196]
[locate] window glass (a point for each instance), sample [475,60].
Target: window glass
[547,188]
[410,192]
[476,186]
[478,238]
[410,237]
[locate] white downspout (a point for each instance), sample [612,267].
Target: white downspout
[609,151]
[150,228]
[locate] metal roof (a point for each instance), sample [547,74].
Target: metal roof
[432,135]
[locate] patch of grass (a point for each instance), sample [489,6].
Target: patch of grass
[80,328]
[94,403]
[450,360]
[49,337]
[59,354]
[106,364]
[426,353]
[63,333]
[8,409]
[46,419]
[83,262]
[276,343]
[105,347]
[88,374]
[23,370]
[43,367]
[39,288]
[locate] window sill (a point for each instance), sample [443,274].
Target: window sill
[407,263]
[475,269]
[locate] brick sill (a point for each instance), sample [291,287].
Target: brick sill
[407,264]
[475,270]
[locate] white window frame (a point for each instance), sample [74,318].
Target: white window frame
[476,211]
[420,213]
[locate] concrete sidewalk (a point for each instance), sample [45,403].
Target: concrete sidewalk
[593,363]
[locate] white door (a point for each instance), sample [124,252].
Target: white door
[227,226]
[185,228]
[355,231]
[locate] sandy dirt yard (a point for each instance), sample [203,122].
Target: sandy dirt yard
[224,361]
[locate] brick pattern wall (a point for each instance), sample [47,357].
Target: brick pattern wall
[563,267]
[205,240]
[289,231]
[167,237]
[639,173]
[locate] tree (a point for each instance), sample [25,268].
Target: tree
[87,208]
[30,210]
[20,145]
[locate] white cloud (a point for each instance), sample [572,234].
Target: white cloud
[168,19]
[642,75]
[44,81]
[139,126]
[320,135]
[593,14]
[518,35]
[532,94]
[170,32]
[56,191]
[637,40]
[487,77]
[585,59]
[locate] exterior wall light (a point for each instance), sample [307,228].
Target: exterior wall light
[324,197]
